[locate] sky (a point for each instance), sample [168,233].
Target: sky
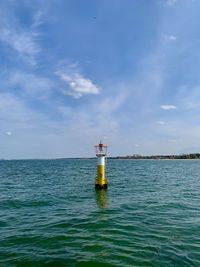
[76,72]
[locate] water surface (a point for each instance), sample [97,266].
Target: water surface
[50,214]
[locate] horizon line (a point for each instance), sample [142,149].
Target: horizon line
[111,157]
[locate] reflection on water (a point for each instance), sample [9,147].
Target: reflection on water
[102,198]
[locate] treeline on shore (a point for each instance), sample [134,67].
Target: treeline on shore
[182,156]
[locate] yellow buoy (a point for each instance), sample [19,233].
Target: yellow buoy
[101,180]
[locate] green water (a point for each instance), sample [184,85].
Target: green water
[50,214]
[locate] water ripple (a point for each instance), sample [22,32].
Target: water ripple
[50,214]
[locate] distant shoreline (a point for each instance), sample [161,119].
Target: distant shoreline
[191,156]
[113,158]
[163,157]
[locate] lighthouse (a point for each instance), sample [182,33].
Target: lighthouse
[101,180]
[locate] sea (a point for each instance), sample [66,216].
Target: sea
[51,215]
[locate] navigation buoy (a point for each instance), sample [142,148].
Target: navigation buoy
[101,180]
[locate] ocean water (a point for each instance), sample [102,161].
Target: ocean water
[50,214]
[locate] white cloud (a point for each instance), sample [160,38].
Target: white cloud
[9,133]
[37,19]
[161,122]
[170,38]
[77,85]
[23,40]
[167,107]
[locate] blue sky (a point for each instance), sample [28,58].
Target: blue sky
[74,72]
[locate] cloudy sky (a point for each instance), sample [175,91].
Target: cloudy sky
[74,72]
